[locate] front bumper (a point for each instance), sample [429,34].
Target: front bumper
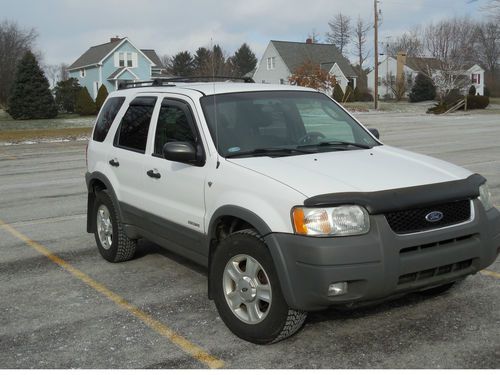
[382,264]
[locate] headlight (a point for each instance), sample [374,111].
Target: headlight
[485,197]
[331,221]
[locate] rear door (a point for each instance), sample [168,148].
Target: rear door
[126,157]
[173,191]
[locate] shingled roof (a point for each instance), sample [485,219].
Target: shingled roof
[95,54]
[151,54]
[294,54]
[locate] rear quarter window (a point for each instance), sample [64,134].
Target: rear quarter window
[106,117]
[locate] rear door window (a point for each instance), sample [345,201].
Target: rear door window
[106,118]
[133,131]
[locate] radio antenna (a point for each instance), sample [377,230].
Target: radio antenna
[215,104]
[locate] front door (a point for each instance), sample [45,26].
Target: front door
[174,192]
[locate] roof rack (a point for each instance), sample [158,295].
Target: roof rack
[170,81]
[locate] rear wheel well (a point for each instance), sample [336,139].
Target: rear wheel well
[94,186]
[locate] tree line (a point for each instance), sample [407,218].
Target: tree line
[211,61]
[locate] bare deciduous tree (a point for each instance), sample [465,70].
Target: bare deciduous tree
[340,31]
[52,72]
[359,40]
[451,43]
[63,72]
[14,43]
[409,42]
[488,41]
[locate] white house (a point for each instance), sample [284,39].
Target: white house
[387,71]
[281,59]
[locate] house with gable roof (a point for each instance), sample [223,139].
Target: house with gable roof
[473,74]
[112,63]
[281,59]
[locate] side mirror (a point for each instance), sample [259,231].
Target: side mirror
[183,152]
[375,132]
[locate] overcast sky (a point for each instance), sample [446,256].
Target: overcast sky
[67,28]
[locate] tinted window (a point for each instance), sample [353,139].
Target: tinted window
[174,125]
[107,117]
[133,133]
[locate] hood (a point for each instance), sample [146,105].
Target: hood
[376,169]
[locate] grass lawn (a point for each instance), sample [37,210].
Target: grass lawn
[64,126]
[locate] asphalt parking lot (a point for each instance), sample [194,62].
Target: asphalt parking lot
[63,306]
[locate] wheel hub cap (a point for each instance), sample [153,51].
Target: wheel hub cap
[246,288]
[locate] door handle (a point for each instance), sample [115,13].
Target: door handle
[153,173]
[114,162]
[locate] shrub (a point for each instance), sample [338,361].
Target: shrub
[348,95]
[30,96]
[338,93]
[85,106]
[366,97]
[423,89]
[472,90]
[487,91]
[102,94]
[477,102]
[66,93]
[453,97]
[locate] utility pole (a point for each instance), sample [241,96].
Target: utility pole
[375,26]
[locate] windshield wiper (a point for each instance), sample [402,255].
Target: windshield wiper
[337,143]
[268,151]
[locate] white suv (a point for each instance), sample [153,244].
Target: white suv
[289,201]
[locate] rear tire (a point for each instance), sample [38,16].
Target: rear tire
[112,242]
[247,291]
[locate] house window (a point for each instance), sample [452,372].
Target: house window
[121,63]
[282,81]
[130,62]
[476,79]
[271,63]
[82,73]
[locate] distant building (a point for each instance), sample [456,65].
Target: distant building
[387,71]
[281,59]
[112,63]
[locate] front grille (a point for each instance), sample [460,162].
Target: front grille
[414,220]
[433,272]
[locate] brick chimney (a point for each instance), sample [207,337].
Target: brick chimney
[309,41]
[115,39]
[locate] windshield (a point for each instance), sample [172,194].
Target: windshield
[242,123]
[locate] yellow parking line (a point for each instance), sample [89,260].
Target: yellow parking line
[496,275]
[192,349]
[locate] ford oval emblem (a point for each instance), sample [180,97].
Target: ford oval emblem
[434,216]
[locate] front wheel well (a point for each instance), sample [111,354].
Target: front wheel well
[222,228]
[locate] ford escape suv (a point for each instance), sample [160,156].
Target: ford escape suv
[291,204]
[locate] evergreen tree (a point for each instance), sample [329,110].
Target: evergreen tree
[183,64]
[202,62]
[30,96]
[102,94]
[244,60]
[66,93]
[356,95]
[220,66]
[338,93]
[423,89]
[85,106]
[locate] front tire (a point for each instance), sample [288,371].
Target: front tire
[247,292]
[112,242]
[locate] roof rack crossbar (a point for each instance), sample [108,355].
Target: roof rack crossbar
[170,81]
